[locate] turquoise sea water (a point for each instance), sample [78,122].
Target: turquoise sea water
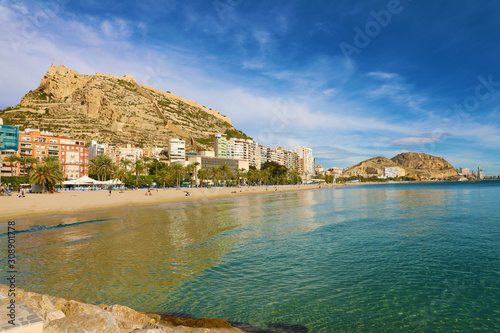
[377,258]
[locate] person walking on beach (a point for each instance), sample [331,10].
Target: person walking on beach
[109,192]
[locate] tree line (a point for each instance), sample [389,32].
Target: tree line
[146,171]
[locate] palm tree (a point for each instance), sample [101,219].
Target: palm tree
[47,175]
[214,173]
[121,174]
[155,165]
[126,163]
[108,167]
[178,171]
[97,166]
[101,165]
[239,174]
[146,159]
[165,176]
[13,160]
[31,161]
[189,171]
[203,174]
[224,171]
[138,168]
[51,159]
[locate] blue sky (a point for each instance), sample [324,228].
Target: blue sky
[352,80]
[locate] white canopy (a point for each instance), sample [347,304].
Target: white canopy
[85,180]
[113,182]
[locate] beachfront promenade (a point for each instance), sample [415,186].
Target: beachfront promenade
[81,201]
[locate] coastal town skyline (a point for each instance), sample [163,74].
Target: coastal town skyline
[350,81]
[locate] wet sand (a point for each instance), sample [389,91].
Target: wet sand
[80,201]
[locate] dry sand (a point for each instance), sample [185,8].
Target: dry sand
[78,201]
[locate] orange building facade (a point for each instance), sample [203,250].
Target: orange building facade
[71,153]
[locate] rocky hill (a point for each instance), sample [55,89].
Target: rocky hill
[375,166]
[426,166]
[410,164]
[116,110]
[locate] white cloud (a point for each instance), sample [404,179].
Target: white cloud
[385,76]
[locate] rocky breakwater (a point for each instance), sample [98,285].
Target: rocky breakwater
[63,315]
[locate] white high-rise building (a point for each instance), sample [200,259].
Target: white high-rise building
[177,150]
[307,160]
[96,149]
[236,148]
[480,173]
[239,149]
[264,151]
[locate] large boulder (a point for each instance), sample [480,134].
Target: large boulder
[84,323]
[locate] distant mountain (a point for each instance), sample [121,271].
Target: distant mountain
[373,166]
[410,164]
[116,110]
[426,166]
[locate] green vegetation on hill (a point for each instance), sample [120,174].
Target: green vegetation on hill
[236,134]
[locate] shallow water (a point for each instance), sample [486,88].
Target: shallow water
[379,258]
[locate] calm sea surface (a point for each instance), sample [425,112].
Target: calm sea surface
[379,258]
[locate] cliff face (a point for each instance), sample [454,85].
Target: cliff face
[114,109]
[410,164]
[425,165]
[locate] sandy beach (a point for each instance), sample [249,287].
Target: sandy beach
[79,201]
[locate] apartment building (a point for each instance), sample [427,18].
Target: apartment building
[239,149]
[177,150]
[220,146]
[480,173]
[130,153]
[263,152]
[306,165]
[74,157]
[71,153]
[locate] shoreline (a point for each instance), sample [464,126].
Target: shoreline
[65,202]
[78,201]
